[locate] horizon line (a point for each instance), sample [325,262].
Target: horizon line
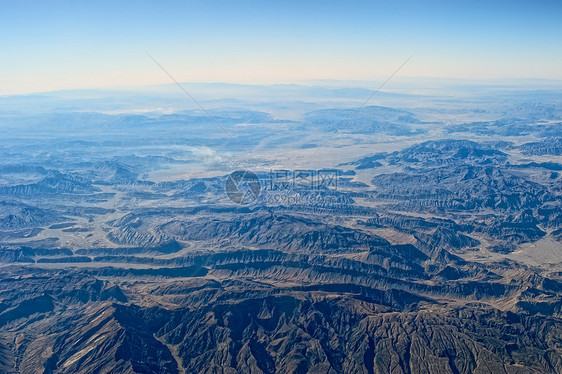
[320,83]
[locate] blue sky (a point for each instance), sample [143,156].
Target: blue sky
[49,45]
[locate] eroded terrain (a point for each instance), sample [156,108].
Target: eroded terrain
[438,250]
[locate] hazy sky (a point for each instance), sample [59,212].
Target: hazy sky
[49,45]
